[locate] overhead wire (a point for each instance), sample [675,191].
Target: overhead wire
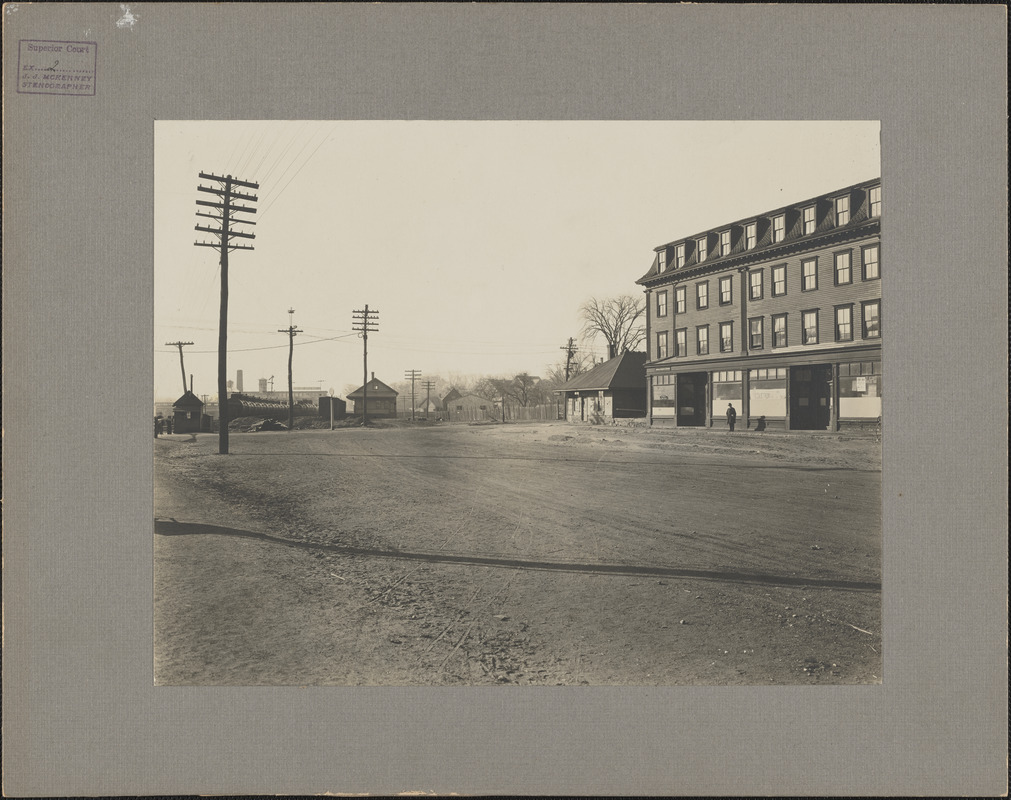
[322,141]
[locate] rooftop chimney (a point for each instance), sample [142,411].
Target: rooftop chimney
[191,381]
[373,376]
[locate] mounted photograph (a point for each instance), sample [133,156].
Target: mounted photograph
[517,403]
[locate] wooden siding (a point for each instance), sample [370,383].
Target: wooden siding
[824,298]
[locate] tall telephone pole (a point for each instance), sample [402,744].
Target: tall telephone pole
[291,331]
[365,321]
[224,212]
[570,350]
[410,375]
[428,396]
[180,345]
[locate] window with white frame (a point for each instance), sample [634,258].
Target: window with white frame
[726,290]
[779,280]
[871,311]
[809,219]
[661,303]
[726,337]
[679,256]
[661,344]
[750,235]
[661,260]
[778,228]
[809,274]
[809,326]
[701,247]
[681,342]
[779,330]
[756,334]
[872,269]
[702,340]
[843,268]
[680,306]
[844,323]
[842,210]
[702,295]
[874,197]
[725,243]
[755,279]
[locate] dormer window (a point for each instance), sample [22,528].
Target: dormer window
[809,220]
[778,228]
[875,201]
[750,235]
[702,249]
[725,243]
[842,210]
[661,260]
[679,256]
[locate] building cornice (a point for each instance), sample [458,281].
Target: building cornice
[817,241]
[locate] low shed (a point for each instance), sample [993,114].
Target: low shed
[613,390]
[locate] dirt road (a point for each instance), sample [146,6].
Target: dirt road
[535,553]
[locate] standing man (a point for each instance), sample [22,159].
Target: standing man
[731,415]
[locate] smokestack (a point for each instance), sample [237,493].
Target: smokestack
[191,382]
[238,381]
[373,376]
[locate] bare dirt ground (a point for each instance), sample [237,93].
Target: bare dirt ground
[526,553]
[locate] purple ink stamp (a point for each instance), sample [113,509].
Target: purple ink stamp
[56,67]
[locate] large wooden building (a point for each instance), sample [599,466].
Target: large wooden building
[778,314]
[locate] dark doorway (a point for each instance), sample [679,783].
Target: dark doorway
[810,397]
[692,399]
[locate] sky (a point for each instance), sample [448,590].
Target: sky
[477,242]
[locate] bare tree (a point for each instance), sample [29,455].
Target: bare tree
[580,363]
[523,388]
[617,319]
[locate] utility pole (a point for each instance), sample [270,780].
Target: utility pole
[365,321]
[224,213]
[291,331]
[411,374]
[570,350]
[180,345]
[428,396]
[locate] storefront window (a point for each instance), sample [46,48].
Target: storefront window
[728,387]
[767,393]
[664,396]
[860,390]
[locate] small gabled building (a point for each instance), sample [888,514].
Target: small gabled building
[380,399]
[615,389]
[468,407]
[188,414]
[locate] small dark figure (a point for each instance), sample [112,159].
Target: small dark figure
[761,424]
[168,425]
[731,415]
[158,427]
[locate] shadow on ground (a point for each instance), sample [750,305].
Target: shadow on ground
[172,527]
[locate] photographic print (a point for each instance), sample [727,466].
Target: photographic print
[517,403]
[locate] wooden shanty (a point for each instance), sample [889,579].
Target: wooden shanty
[187,414]
[615,389]
[382,400]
